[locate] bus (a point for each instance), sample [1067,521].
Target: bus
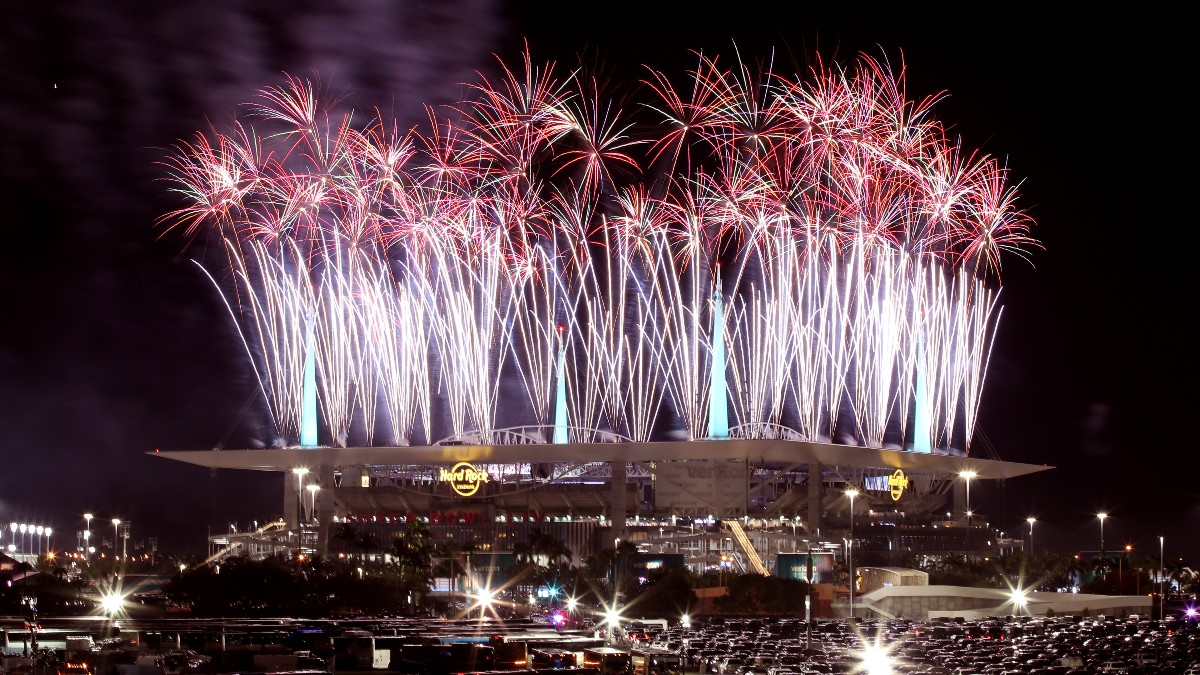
[443,659]
[547,659]
[608,661]
[655,661]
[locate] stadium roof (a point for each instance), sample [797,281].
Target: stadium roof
[761,451]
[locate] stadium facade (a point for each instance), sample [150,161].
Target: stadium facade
[738,502]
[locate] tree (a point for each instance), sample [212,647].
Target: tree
[758,594]
[414,557]
[667,594]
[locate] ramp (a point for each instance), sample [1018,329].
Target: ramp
[739,535]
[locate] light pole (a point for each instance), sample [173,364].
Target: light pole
[87,536]
[967,476]
[1162,599]
[13,528]
[1102,516]
[24,529]
[686,622]
[1031,520]
[851,493]
[116,523]
[1121,565]
[38,542]
[300,472]
[48,532]
[312,490]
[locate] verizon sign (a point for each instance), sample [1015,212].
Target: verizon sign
[720,485]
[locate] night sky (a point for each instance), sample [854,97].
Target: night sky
[114,345]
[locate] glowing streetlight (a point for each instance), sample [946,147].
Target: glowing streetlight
[1031,520]
[39,531]
[1019,599]
[686,622]
[300,472]
[1102,516]
[486,597]
[312,490]
[1162,599]
[48,533]
[875,660]
[967,476]
[851,493]
[87,534]
[612,619]
[112,603]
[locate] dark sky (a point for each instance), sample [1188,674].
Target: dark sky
[114,345]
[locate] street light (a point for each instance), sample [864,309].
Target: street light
[38,543]
[967,476]
[48,531]
[1102,516]
[851,493]
[686,622]
[1162,599]
[612,618]
[300,472]
[1031,520]
[87,534]
[1019,599]
[312,490]
[1121,565]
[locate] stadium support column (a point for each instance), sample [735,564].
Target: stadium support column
[325,511]
[291,500]
[814,498]
[619,479]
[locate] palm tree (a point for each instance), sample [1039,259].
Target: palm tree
[367,541]
[414,556]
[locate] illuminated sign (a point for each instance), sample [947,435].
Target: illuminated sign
[897,484]
[463,478]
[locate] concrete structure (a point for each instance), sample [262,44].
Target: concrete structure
[594,492]
[949,602]
[872,578]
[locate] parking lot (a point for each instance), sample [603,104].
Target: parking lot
[1016,645]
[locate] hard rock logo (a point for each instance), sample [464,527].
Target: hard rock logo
[463,478]
[897,484]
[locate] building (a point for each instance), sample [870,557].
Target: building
[735,502]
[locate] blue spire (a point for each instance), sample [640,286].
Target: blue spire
[308,396]
[922,422]
[560,399]
[718,397]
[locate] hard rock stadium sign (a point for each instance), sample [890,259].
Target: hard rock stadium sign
[463,478]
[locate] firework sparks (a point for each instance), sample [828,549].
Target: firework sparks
[429,274]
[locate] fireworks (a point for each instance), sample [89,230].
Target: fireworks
[852,251]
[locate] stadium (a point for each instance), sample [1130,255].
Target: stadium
[723,324]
